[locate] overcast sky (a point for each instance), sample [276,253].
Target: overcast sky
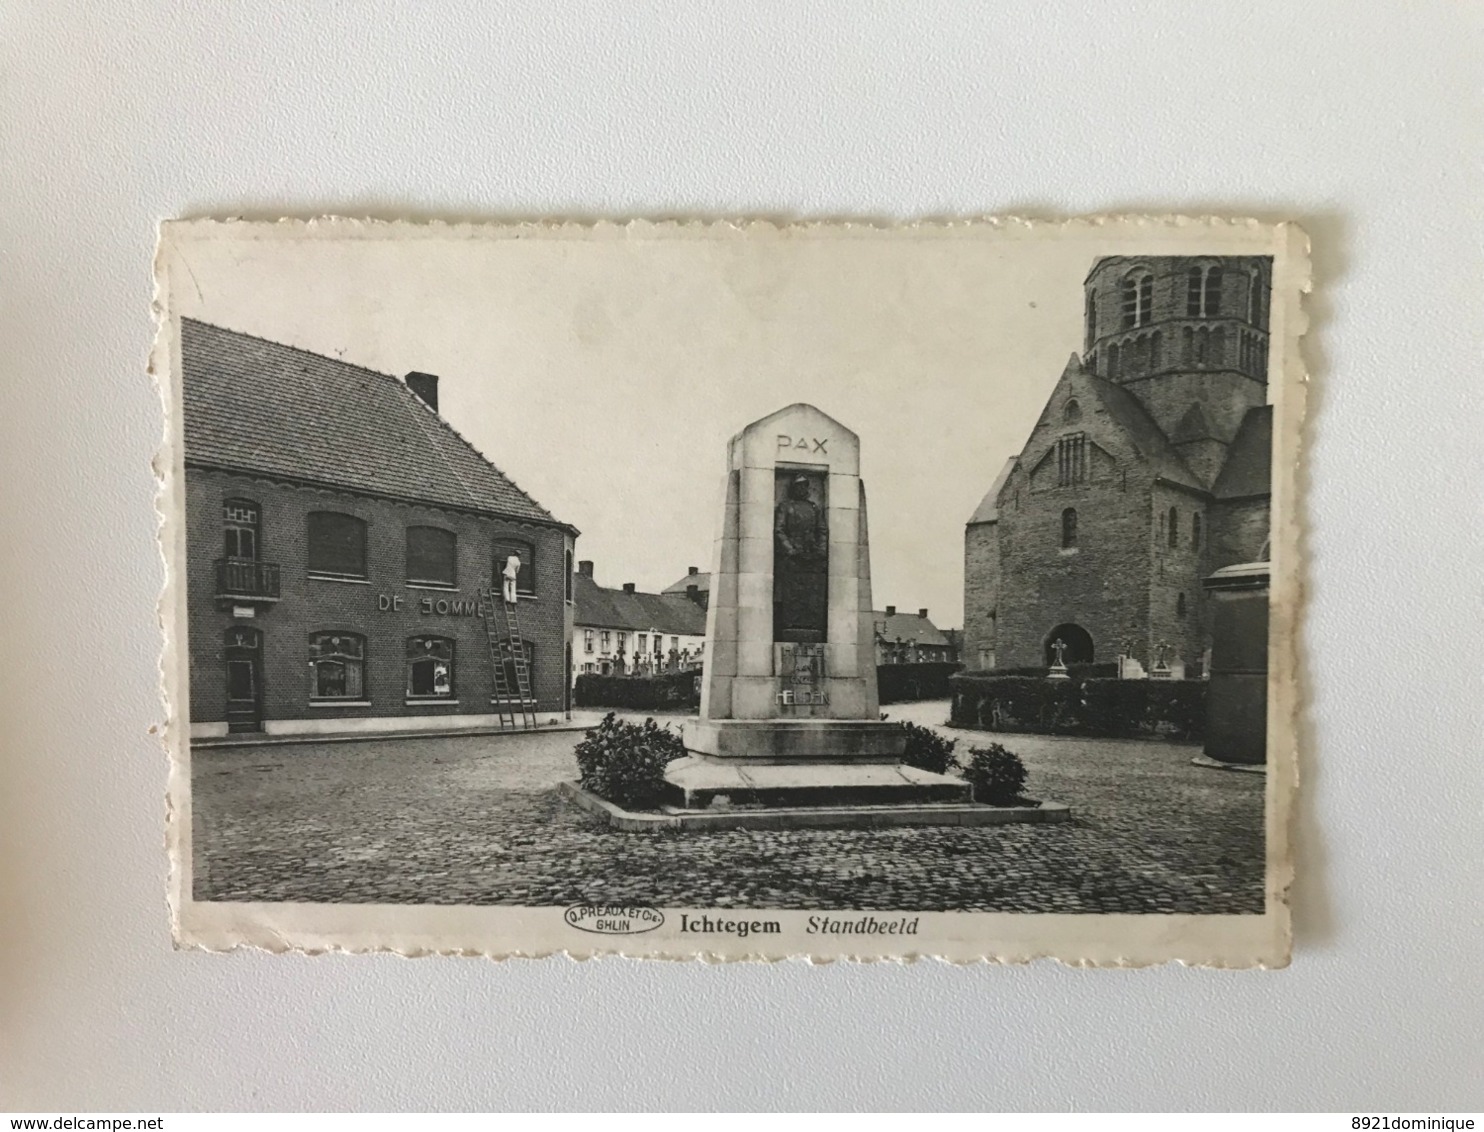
[605,375]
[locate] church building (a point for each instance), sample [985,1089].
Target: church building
[1147,471]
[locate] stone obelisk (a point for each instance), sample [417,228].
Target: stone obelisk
[789,714]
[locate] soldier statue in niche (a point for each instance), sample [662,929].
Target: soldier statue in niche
[800,563]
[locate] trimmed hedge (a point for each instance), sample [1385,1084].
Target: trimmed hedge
[898,683]
[1101,670]
[670,690]
[1102,708]
[895,683]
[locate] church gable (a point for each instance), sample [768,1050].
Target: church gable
[1076,438]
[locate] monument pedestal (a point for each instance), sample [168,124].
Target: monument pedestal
[790,732]
[802,762]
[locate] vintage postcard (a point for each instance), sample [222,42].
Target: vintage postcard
[733,590]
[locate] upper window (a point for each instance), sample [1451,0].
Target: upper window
[242,521]
[1071,459]
[337,545]
[1092,318]
[587,640]
[1172,532]
[1256,312]
[430,668]
[568,575]
[337,666]
[1203,292]
[1195,531]
[525,581]
[1069,527]
[432,557]
[1138,299]
[1072,413]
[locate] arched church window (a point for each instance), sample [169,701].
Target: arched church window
[1138,299]
[1092,318]
[1156,350]
[1069,528]
[1115,362]
[1217,356]
[1195,531]
[1203,292]
[1173,530]
[1072,413]
[1255,313]
[1187,346]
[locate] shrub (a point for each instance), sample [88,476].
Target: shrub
[997,775]
[927,750]
[625,762]
[897,683]
[670,690]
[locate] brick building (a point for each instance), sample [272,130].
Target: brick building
[910,638]
[1147,470]
[625,631]
[338,533]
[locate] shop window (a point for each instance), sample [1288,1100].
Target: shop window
[432,557]
[337,666]
[337,545]
[525,581]
[242,521]
[430,668]
[1069,528]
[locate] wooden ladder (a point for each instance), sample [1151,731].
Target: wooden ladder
[509,702]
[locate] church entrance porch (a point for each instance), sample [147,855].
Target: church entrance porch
[1076,645]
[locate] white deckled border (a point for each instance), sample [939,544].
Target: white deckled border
[505,932]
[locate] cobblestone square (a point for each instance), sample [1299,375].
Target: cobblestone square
[478,820]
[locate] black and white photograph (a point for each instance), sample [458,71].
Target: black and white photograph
[532,572]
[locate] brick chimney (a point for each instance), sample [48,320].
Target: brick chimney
[585,567]
[922,613]
[425,387]
[891,611]
[692,570]
[628,587]
[693,592]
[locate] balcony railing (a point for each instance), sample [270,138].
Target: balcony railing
[244,579]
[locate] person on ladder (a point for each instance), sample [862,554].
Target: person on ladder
[511,572]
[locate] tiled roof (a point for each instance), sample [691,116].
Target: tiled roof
[909,628]
[700,579]
[1249,461]
[259,406]
[603,608]
[988,510]
[1147,436]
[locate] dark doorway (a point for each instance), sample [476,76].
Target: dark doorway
[1077,642]
[244,660]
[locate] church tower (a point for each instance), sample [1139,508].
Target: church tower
[1188,337]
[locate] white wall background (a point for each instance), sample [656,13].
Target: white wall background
[1361,120]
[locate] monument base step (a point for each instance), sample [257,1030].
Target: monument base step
[699,783]
[813,817]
